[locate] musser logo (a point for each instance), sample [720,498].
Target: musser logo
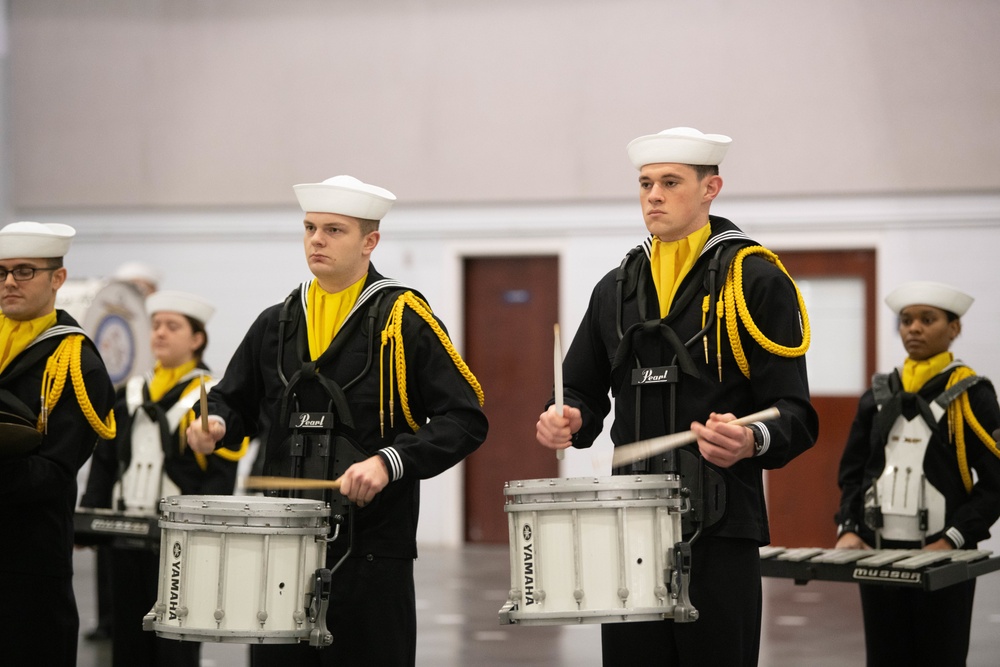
[887,575]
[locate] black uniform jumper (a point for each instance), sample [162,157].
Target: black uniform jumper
[622,332]
[37,500]
[271,382]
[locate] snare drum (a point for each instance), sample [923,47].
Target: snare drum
[596,550]
[241,569]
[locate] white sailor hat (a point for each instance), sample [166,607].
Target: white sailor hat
[180,302]
[927,293]
[681,145]
[35,240]
[138,271]
[345,195]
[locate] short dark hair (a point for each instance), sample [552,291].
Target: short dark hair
[705,170]
[197,326]
[367,226]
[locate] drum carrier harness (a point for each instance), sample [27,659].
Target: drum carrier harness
[702,487]
[314,420]
[901,504]
[315,446]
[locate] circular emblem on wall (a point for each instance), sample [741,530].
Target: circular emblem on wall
[526,532]
[116,342]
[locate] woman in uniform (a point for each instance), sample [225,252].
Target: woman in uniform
[149,459]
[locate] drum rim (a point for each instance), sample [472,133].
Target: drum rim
[228,505]
[610,482]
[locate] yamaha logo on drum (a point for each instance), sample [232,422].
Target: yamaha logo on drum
[175,582]
[529,565]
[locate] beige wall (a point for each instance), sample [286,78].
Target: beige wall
[148,103]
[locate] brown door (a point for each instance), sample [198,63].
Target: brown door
[803,496]
[511,304]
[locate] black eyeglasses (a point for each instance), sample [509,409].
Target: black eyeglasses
[22,273]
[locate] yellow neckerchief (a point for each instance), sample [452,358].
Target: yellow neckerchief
[326,312]
[164,379]
[670,261]
[16,335]
[916,373]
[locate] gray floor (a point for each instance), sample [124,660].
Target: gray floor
[460,590]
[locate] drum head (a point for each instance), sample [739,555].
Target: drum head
[17,437]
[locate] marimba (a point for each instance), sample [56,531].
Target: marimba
[929,570]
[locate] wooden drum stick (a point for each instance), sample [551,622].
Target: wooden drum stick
[558,376]
[645,449]
[289,483]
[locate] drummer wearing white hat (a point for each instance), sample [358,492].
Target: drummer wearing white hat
[38,483]
[149,460]
[946,415]
[672,311]
[399,405]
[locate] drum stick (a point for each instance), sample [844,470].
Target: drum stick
[289,483]
[204,405]
[558,380]
[644,449]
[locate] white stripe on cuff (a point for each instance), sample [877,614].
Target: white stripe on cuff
[395,463]
[766,437]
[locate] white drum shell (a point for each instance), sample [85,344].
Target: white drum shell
[592,550]
[237,569]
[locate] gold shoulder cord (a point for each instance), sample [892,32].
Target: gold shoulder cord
[733,302]
[959,412]
[392,335]
[188,418]
[65,361]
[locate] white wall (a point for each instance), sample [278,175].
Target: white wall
[244,261]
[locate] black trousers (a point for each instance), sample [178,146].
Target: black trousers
[726,590]
[38,621]
[907,627]
[372,616]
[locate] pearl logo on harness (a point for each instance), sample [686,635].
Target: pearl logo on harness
[654,375]
[315,420]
